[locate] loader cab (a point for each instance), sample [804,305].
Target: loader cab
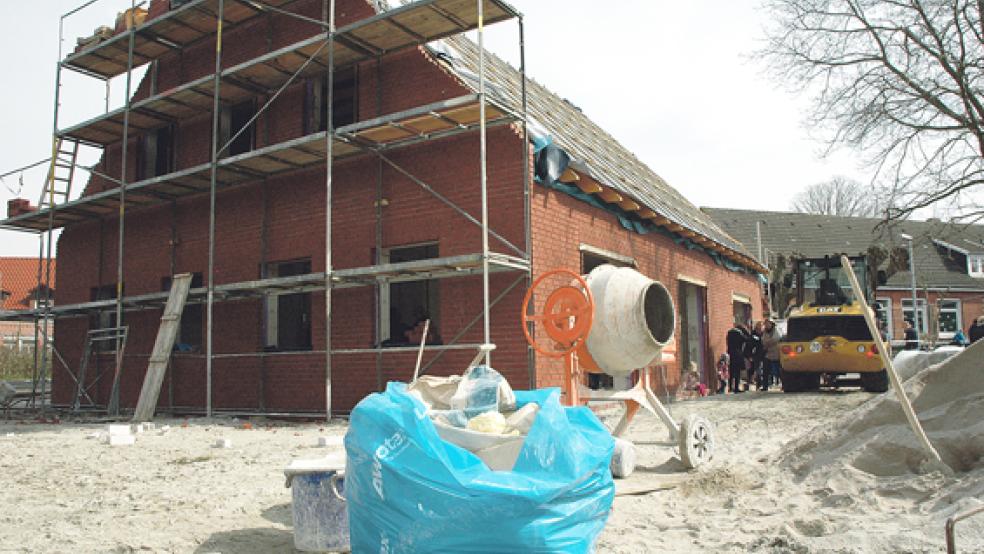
[823,282]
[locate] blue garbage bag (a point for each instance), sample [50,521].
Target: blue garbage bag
[410,491]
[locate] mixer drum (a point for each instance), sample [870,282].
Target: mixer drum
[634,319]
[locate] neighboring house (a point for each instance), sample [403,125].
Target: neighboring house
[948,261]
[18,291]
[592,202]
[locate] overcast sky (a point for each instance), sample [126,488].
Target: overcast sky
[675,82]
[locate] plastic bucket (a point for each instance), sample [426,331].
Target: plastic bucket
[319,510]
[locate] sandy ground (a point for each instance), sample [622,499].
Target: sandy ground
[765,491]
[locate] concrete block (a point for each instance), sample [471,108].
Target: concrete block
[120,440]
[223,443]
[119,429]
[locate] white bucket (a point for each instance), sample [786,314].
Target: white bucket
[318,504]
[634,318]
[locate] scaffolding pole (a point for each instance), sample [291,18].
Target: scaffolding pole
[210,295]
[487,334]
[329,23]
[527,201]
[114,398]
[329,136]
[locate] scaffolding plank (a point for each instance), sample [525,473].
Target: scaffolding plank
[406,26]
[436,268]
[161,35]
[308,150]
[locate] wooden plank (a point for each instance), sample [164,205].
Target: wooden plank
[588,187]
[569,176]
[161,354]
[609,195]
[629,205]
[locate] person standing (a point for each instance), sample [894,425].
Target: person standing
[735,339]
[770,344]
[976,330]
[756,356]
[911,336]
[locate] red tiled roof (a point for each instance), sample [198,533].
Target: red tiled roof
[19,277]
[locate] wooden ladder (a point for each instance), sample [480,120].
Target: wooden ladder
[58,184]
[161,355]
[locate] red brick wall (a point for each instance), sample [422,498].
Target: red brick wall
[561,224]
[971,306]
[282,218]
[294,209]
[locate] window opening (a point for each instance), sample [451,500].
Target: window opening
[288,315]
[883,309]
[231,120]
[975,265]
[155,154]
[344,101]
[921,313]
[949,319]
[407,305]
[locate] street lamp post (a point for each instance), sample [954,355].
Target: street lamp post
[912,275]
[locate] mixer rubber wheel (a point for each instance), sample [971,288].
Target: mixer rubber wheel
[696,441]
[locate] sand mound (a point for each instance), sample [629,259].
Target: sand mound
[910,362]
[876,438]
[872,453]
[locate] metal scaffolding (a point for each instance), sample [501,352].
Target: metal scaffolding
[366,40]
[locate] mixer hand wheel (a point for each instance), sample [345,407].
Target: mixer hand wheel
[567,314]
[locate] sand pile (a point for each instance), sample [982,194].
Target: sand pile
[871,457]
[910,362]
[875,437]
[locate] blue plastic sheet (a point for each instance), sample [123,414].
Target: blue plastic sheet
[410,491]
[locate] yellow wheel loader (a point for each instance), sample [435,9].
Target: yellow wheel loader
[826,334]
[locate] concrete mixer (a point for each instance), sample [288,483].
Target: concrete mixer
[614,321]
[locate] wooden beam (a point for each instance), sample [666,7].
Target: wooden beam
[646,213]
[569,176]
[674,227]
[588,187]
[629,205]
[660,220]
[609,195]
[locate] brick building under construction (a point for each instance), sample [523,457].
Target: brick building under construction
[283,164]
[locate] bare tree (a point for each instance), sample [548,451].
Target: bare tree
[840,196]
[899,80]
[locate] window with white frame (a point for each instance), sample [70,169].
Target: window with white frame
[920,323]
[950,319]
[406,305]
[975,265]
[883,309]
[288,314]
